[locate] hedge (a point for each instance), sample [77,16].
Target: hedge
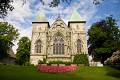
[60,62]
[81,59]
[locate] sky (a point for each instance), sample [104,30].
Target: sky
[23,15]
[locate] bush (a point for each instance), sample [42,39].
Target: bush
[44,60]
[40,62]
[81,59]
[68,63]
[59,62]
[56,62]
[114,59]
[108,62]
[27,63]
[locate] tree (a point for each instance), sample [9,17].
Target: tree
[104,38]
[55,3]
[23,51]
[96,2]
[7,35]
[5,6]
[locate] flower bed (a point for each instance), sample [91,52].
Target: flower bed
[56,68]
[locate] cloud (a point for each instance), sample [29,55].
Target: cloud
[23,32]
[84,7]
[20,12]
[19,18]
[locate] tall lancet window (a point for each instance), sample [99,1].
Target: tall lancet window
[78,46]
[38,46]
[58,44]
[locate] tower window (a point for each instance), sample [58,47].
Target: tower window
[78,46]
[38,46]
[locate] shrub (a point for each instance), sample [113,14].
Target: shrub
[56,62]
[81,59]
[60,62]
[108,62]
[40,62]
[44,60]
[48,63]
[114,59]
[68,63]
[28,64]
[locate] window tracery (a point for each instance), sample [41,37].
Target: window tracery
[58,44]
[78,46]
[38,46]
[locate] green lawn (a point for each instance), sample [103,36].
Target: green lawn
[13,72]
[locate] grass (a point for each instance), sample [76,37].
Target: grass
[15,72]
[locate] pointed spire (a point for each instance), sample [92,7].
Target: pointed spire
[59,17]
[41,17]
[76,16]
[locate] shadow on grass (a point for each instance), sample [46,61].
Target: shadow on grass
[113,72]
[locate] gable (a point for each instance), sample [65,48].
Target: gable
[59,23]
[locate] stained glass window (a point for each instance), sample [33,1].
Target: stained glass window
[58,44]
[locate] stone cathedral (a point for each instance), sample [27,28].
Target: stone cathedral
[59,41]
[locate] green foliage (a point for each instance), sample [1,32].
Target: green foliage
[41,62]
[108,62]
[68,63]
[28,64]
[5,6]
[23,51]
[104,38]
[81,59]
[55,3]
[60,62]
[114,60]
[7,35]
[44,60]
[56,62]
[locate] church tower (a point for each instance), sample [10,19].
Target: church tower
[38,45]
[58,42]
[78,34]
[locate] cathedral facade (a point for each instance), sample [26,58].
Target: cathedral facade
[59,41]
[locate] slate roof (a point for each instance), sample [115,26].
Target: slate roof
[76,16]
[41,17]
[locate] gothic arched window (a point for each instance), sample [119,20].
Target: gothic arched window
[58,44]
[78,46]
[38,46]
